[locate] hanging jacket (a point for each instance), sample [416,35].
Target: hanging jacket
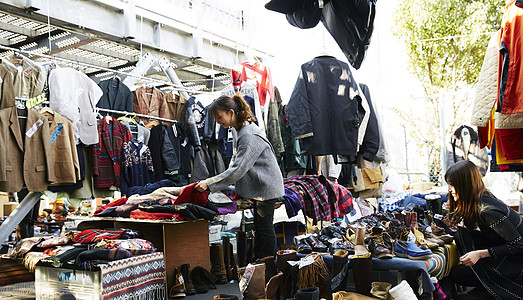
[371,140]
[117,96]
[511,67]
[487,86]
[325,109]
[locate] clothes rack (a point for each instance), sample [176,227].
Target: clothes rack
[127,113]
[177,87]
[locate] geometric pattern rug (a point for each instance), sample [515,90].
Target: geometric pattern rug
[18,291]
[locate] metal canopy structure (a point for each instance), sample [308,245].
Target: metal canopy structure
[202,39]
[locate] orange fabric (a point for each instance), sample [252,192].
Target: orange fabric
[257,73]
[511,31]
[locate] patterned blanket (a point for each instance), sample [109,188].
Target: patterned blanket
[137,277]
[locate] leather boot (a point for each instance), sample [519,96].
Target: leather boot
[218,264]
[316,244]
[189,287]
[226,245]
[256,287]
[273,285]
[250,250]
[360,250]
[178,288]
[270,267]
[241,248]
[232,261]
[362,271]
[339,271]
[310,293]
[282,257]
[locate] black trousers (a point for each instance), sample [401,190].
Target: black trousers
[265,237]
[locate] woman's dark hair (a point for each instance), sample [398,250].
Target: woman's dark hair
[465,177]
[240,107]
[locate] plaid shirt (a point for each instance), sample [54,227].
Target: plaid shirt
[322,199]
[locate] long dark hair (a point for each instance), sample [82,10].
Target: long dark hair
[240,107]
[465,177]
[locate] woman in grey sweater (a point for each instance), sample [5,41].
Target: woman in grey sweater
[253,170]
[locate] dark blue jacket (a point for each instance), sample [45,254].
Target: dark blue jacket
[325,110]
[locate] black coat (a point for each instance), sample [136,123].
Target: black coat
[117,96]
[371,141]
[325,111]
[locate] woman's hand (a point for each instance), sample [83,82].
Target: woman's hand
[470,259]
[202,186]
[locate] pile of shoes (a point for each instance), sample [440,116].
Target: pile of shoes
[411,233]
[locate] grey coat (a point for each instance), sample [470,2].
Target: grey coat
[254,170]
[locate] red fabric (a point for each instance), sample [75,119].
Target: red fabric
[96,235]
[114,203]
[511,141]
[138,214]
[503,167]
[190,195]
[254,72]
[511,30]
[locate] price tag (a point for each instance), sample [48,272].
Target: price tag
[56,133]
[34,128]
[35,100]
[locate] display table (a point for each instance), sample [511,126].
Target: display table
[182,242]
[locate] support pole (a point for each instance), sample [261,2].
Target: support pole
[141,68]
[7,227]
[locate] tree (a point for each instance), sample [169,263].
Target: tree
[446,42]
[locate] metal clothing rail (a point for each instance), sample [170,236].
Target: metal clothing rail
[98,109]
[177,87]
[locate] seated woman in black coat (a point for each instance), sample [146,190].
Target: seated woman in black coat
[488,237]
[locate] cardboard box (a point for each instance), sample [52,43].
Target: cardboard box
[9,208]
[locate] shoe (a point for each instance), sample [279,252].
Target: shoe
[178,289]
[218,263]
[189,287]
[339,271]
[420,240]
[411,250]
[301,245]
[202,280]
[270,267]
[377,245]
[316,244]
[273,285]
[336,245]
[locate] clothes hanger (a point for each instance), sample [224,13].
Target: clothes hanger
[46,109]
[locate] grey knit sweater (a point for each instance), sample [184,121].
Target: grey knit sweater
[254,170]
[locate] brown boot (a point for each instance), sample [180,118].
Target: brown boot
[273,285]
[256,286]
[218,264]
[362,271]
[178,288]
[226,245]
[283,256]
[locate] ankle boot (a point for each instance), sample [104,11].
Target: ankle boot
[362,271]
[178,288]
[241,248]
[189,287]
[283,256]
[270,267]
[309,293]
[256,286]
[339,271]
[360,250]
[218,264]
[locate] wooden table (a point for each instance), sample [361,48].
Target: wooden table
[182,242]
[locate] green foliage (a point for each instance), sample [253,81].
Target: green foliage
[446,42]
[449,63]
